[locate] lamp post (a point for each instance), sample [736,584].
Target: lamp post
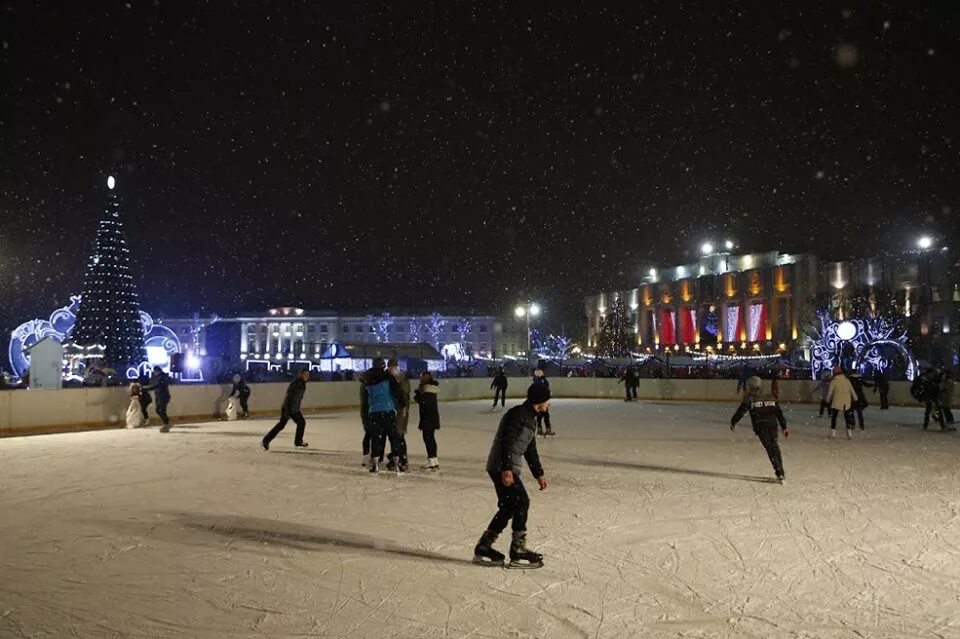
[527,311]
[925,244]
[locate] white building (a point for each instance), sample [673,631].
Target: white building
[291,337]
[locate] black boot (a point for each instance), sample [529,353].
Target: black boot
[520,557]
[485,553]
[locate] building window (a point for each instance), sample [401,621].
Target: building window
[311,328]
[323,328]
[483,328]
[346,329]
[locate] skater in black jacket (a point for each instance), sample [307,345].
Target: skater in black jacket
[160,385]
[766,415]
[241,391]
[540,379]
[515,441]
[499,384]
[631,380]
[291,410]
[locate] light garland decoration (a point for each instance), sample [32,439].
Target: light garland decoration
[859,343]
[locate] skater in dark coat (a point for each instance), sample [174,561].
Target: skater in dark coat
[160,385]
[857,382]
[241,391]
[499,384]
[403,413]
[291,410]
[426,398]
[514,442]
[766,416]
[365,420]
[631,381]
[882,386]
[384,398]
[540,379]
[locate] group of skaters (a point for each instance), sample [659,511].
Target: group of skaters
[842,391]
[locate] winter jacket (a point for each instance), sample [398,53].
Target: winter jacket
[426,398]
[240,389]
[295,392]
[384,394]
[160,384]
[541,380]
[841,395]
[631,379]
[499,381]
[403,416]
[764,412]
[946,392]
[515,441]
[825,386]
[857,382]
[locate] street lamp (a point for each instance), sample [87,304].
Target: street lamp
[729,245]
[706,248]
[527,311]
[925,243]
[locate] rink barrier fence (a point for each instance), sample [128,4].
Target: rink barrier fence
[26,412]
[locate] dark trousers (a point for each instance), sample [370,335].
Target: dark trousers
[143,409]
[162,412]
[244,408]
[500,394]
[823,406]
[297,418]
[858,409]
[543,418]
[768,437]
[512,504]
[947,414]
[884,399]
[631,392]
[430,441]
[934,408]
[847,417]
[383,426]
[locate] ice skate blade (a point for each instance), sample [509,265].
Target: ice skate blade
[520,565]
[480,560]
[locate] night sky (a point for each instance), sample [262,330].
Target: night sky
[343,154]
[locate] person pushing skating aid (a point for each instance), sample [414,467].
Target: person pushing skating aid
[766,415]
[515,441]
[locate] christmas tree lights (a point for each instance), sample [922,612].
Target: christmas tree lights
[109,311]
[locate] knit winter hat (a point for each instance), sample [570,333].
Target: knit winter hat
[379,363]
[538,394]
[754,383]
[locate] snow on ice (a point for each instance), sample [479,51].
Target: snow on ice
[659,522]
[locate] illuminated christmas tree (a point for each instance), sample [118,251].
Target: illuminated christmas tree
[615,336]
[109,312]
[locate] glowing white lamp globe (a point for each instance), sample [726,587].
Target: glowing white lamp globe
[111,183]
[925,242]
[534,310]
[846,330]
[729,245]
[707,248]
[520,312]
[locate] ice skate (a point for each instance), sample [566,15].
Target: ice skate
[301,444]
[265,444]
[432,464]
[849,433]
[833,433]
[780,478]
[164,429]
[550,433]
[520,556]
[374,466]
[365,462]
[484,553]
[540,431]
[391,463]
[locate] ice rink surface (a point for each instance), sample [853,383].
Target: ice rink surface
[659,522]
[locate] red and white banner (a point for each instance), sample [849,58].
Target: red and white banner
[668,332]
[758,322]
[734,325]
[688,326]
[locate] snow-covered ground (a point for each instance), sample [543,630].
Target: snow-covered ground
[659,522]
